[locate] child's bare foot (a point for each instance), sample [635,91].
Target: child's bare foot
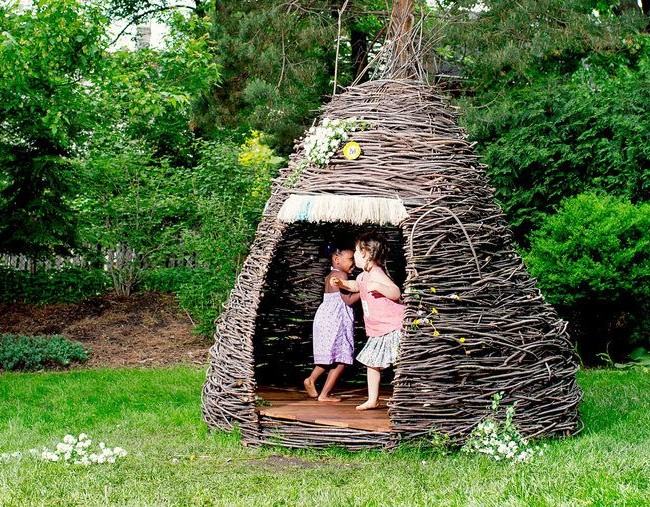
[329,399]
[310,388]
[368,405]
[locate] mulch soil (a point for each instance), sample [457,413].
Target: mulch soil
[146,329]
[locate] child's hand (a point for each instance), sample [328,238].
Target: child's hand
[335,281]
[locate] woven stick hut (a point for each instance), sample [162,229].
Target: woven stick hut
[475,322]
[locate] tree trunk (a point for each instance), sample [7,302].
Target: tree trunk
[403,64]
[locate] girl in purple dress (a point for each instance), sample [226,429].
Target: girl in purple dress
[333,328]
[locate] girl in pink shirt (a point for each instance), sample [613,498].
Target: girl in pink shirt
[383,314]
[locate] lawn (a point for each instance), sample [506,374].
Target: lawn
[173,460]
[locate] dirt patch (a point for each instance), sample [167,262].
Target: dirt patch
[141,330]
[276,462]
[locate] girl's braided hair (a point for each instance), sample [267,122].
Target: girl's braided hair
[376,245]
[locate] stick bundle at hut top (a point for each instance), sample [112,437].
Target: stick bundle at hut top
[475,322]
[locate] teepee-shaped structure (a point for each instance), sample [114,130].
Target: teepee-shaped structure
[475,323]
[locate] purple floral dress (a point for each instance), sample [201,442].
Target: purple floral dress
[333,331]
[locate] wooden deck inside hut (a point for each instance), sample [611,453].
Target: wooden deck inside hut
[295,405]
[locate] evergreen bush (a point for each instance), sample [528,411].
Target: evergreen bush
[564,133]
[592,259]
[38,352]
[167,279]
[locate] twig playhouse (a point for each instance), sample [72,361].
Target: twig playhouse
[475,322]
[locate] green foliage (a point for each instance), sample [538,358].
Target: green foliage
[596,247]
[276,67]
[137,197]
[592,258]
[46,50]
[167,280]
[562,135]
[38,352]
[65,285]
[511,43]
[231,185]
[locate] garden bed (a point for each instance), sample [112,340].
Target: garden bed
[146,329]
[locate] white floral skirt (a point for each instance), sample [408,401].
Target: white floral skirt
[381,351]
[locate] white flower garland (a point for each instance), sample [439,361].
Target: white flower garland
[322,141]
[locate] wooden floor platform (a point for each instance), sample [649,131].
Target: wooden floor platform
[295,405]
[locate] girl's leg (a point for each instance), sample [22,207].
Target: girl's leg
[332,378]
[374,377]
[310,382]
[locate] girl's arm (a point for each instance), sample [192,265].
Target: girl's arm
[383,285]
[349,298]
[349,285]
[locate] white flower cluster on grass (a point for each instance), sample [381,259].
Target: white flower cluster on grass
[73,450]
[499,440]
[322,142]
[8,456]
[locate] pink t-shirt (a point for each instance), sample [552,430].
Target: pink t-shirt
[380,314]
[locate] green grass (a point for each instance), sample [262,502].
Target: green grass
[173,460]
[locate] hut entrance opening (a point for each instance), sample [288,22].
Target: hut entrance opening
[292,292]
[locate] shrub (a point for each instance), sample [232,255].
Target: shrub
[167,279]
[65,285]
[204,295]
[227,222]
[592,259]
[561,134]
[38,352]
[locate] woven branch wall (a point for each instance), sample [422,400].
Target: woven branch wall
[488,329]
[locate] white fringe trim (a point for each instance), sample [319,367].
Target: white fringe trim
[342,208]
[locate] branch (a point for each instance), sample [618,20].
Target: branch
[137,18]
[338,44]
[284,63]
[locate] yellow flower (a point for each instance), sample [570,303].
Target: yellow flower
[416,322]
[462,340]
[433,289]
[434,311]
[436,333]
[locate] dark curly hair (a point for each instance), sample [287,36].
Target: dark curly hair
[339,246]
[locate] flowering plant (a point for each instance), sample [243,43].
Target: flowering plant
[74,451]
[422,316]
[499,440]
[322,142]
